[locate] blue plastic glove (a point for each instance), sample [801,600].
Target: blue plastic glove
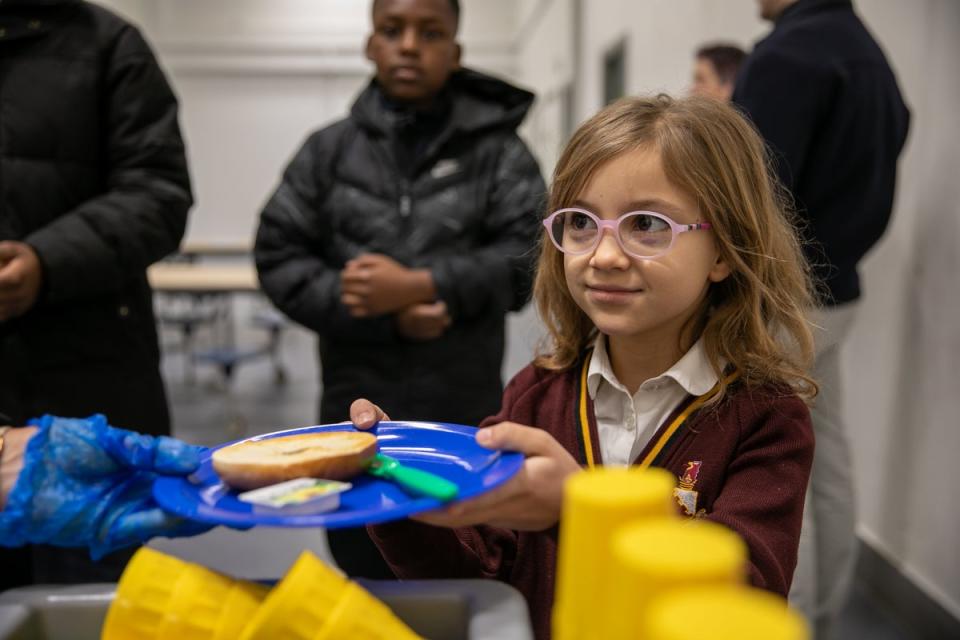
[87,484]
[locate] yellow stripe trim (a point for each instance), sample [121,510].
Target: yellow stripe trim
[664,438]
[584,421]
[680,419]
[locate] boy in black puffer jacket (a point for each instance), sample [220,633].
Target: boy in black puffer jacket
[404,233]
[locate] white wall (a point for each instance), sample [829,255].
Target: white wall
[903,405]
[254,77]
[661,37]
[545,65]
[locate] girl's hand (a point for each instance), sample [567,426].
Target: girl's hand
[530,501]
[365,415]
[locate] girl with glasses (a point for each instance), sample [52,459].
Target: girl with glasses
[673,289]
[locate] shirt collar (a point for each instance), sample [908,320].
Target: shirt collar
[692,372]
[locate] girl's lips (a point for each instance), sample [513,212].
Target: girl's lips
[614,295]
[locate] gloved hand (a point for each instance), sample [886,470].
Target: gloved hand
[87,484]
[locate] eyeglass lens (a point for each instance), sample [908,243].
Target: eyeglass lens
[641,234]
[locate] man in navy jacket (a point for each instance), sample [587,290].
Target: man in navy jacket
[821,92]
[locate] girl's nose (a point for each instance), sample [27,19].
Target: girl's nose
[609,254]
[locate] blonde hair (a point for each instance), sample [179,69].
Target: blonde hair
[755,319]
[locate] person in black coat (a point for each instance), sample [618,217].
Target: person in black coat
[404,233]
[822,94]
[93,188]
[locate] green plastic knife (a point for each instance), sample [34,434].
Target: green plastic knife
[412,480]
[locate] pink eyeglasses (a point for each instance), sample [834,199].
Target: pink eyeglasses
[642,234]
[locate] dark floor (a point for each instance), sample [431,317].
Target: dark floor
[208,409]
[863,618]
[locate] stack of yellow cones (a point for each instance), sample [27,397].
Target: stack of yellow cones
[596,503]
[160,597]
[360,615]
[631,567]
[314,602]
[722,613]
[654,556]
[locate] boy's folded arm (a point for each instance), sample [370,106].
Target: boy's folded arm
[293,270]
[499,273]
[417,551]
[762,498]
[310,294]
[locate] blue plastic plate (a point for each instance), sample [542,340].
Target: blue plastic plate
[448,450]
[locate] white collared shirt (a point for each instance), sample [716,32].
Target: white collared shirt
[626,423]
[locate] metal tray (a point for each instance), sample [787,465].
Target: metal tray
[435,609]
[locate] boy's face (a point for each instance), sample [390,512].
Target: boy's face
[414,47]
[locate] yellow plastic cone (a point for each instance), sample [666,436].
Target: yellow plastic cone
[721,613]
[656,555]
[143,596]
[298,607]
[360,615]
[210,606]
[595,503]
[161,597]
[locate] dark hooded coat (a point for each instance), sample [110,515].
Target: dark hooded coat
[93,176]
[453,190]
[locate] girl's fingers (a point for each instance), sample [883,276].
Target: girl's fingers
[529,441]
[364,414]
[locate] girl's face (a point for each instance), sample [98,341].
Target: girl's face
[633,298]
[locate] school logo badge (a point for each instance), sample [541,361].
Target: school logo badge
[685,494]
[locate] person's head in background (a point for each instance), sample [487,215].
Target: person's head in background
[414,46]
[701,160]
[715,70]
[771,9]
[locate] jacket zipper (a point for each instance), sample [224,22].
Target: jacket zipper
[405,201]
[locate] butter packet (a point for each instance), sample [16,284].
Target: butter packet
[299,496]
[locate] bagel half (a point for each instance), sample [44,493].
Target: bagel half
[335,455]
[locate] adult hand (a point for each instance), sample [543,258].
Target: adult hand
[87,484]
[374,284]
[11,459]
[21,276]
[531,499]
[423,321]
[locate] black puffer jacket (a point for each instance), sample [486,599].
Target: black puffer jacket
[467,209]
[93,176]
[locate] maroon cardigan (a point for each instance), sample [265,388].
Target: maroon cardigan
[755,451]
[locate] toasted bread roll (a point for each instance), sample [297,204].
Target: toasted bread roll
[335,455]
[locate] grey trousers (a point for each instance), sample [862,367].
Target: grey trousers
[828,544]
